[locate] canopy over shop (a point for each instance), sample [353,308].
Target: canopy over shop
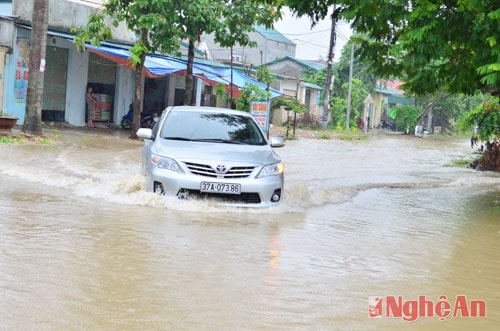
[157,66]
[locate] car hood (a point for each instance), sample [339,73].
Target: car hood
[216,152]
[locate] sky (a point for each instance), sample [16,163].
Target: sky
[312,44]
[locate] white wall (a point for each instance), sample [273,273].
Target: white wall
[64,15]
[76,85]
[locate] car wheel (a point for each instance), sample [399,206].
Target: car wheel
[158,188]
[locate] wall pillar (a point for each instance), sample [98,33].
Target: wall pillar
[3,51]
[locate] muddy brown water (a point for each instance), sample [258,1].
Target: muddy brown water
[84,247]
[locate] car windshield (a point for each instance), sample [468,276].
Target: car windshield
[212,127]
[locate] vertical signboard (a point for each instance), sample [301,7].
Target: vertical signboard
[260,113]
[22,71]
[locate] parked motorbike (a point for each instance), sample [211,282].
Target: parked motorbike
[388,125]
[147,120]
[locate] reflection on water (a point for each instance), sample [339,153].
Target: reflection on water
[84,247]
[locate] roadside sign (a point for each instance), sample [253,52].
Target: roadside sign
[259,110]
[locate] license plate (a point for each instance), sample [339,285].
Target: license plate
[220,188]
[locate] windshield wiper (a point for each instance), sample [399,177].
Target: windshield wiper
[226,141]
[178,138]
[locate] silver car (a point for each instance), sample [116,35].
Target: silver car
[212,153]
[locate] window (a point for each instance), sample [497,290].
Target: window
[237,58]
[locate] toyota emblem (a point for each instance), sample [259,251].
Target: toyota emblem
[221,169]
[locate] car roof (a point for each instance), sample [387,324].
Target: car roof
[206,110]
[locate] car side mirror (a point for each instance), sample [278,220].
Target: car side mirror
[145,133]
[277,141]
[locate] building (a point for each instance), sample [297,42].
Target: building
[271,44]
[292,72]
[387,94]
[68,72]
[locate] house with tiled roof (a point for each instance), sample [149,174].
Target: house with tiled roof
[293,67]
[292,70]
[271,44]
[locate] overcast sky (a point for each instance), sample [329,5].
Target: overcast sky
[312,44]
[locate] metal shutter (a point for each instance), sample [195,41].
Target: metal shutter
[180,82]
[101,70]
[54,83]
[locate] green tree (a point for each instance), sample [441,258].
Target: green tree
[431,44]
[358,95]
[240,17]
[289,104]
[486,117]
[229,20]
[443,108]
[406,117]
[220,91]
[249,93]
[360,71]
[338,105]
[264,76]
[316,10]
[196,18]
[339,111]
[363,81]
[451,44]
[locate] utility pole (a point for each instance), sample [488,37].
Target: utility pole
[328,83]
[349,91]
[231,77]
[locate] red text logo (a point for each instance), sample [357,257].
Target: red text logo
[411,310]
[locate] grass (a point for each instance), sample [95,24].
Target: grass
[459,163]
[23,138]
[10,140]
[348,136]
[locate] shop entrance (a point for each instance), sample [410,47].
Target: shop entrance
[102,79]
[155,95]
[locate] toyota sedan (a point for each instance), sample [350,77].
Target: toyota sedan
[212,153]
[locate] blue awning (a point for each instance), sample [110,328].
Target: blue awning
[162,65]
[154,67]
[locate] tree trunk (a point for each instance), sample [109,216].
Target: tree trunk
[430,127]
[139,88]
[188,92]
[34,100]
[443,123]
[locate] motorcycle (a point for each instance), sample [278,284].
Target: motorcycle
[147,120]
[388,125]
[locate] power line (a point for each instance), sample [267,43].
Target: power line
[300,34]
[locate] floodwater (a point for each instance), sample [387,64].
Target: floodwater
[83,247]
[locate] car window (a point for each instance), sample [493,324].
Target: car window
[155,129]
[217,127]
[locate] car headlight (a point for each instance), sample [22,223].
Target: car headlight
[166,163]
[272,170]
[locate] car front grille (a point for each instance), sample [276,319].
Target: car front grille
[208,171]
[247,197]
